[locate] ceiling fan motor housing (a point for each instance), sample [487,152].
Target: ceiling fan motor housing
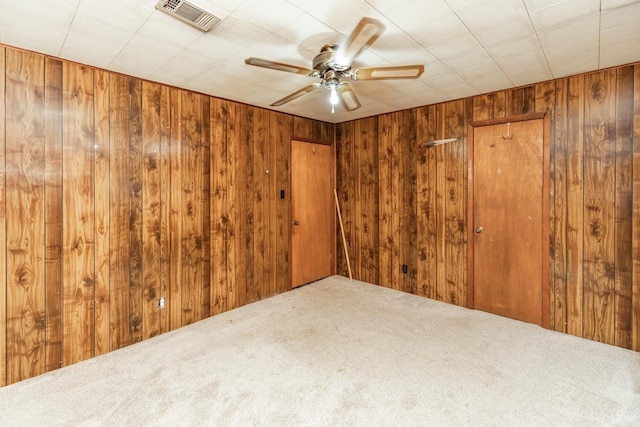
[326,61]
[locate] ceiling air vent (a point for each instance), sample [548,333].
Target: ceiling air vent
[189,13]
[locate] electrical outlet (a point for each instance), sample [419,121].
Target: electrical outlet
[161,302]
[405,269]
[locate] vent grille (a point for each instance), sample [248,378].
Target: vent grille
[189,13]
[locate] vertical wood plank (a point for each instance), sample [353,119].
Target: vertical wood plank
[426,131]
[282,182]
[3,237]
[575,212]
[165,206]
[24,132]
[175,211]
[271,208]
[79,216]
[102,229]
[545,97]
[635,319]
[346,183]
[560,180]
[192,212]
[237,204]
[205,206]
[249,293]
[599,190]
[151,208]
[455,220]
[441,288]
[258,198]
[387,157]
[219,203]
[623,244]
[367,204]
[406,199]
[135,214]
[53,212]
[119,208]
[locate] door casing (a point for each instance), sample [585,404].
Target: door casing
[546,168]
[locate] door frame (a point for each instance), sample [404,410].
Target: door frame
[546,181]
[333,221]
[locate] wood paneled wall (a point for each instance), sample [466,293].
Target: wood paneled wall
[115,192]
[404,204]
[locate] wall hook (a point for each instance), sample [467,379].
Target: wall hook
[508,135]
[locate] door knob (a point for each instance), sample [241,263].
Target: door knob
[480,229]
[296,222]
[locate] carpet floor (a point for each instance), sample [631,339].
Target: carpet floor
[340,352]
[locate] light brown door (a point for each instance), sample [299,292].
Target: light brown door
[312,211]
[508,219]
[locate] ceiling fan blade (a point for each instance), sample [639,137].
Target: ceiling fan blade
[294,95]
[366,32]
[280,66]
[388,73]
[348,97]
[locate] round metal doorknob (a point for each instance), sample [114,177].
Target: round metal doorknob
[296,222]
[480,229]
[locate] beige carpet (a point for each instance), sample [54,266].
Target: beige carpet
[342,353]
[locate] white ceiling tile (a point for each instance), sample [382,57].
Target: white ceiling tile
[404,14]
[126,14]
[164,28]
[309,33]
[491,13]
[343,16]
[514,47]
[623,15]
[142,56]
[456,47]
[585,27]
[271,15]
[508,31]
[441,30]
[614,4]
[563,12]
[619,45]
[98,48]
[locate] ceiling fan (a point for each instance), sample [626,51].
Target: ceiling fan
[334,63]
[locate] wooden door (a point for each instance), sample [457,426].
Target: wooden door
[312,212]
[509,216]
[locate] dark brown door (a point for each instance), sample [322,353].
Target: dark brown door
[312,211]
[508,219]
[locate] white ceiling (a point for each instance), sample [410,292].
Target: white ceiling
[468,47]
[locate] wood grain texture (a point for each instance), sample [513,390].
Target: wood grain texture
[3,236]
[102,219]
[152,202]
[78,233]
[599,193]
[119,212]
[455,205]
[25,240]
[426,132]
[220,274]
[346,178]
[109,192]
[165,205]
[367,199]
[574,207]
[53,212]
[559,241]
[623,208]
[174,302]
[238,205]
[260,211]
[281,124]
[635,303]
[191,210]
[135,212]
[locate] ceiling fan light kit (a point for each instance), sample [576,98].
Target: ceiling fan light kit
[334,62]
